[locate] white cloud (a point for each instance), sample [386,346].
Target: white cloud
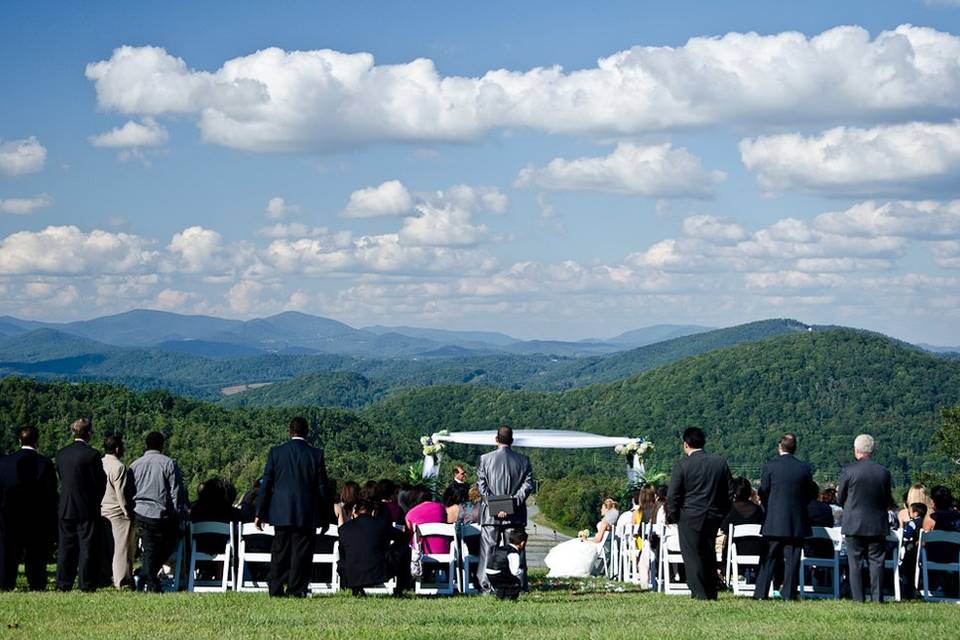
[147,133]
[197,249]
[24,206]
[441,226]
[51,294]
[660,171]
[471,198]
[19,157]
[68,250]
[719,230]
[291,230]
[884,160]
[791,280]
[947,254]
[278,209]
[390,198]
[323,100]
[924,220]
[173,300]
[244,296]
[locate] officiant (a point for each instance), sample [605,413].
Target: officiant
[502,472]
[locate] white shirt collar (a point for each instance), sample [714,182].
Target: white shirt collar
[298,438]
[23,446]
[693,451]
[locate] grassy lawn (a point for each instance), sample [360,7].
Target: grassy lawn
[567,609]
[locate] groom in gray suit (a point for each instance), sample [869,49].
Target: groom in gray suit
[501,473]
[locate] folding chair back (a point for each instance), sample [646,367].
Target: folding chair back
[222,556]
[253,559]
[742,562]
[326,558]
[466,561]
[945,564]
[821,553]
[670,561]
[442,566]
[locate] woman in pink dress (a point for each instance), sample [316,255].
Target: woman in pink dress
[426,510]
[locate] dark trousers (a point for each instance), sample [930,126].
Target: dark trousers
[492,537]
[158,538]
[698,538]
[79,550]
[31,546]
[291,558]
[873,550]
[785,549]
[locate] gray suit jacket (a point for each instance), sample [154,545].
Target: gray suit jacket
[505,472]
[864,493]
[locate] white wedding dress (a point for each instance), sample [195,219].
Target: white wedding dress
[574,558]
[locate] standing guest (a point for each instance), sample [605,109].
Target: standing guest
[786,488]
[28,512]
[699,497]
[502,472]
[117,511]
[349,494]
[82,485]
[159,508]
[294,500]
[459,478]
[372,551]
[821,515]
[864,493]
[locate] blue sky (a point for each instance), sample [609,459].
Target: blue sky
[552,170]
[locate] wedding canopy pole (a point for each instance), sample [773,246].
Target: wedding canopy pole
[633,449]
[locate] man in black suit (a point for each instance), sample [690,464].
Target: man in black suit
[82,485]
[699,497]
[372,550]
[28,512]
[864,493]
[293,498]
[786,488]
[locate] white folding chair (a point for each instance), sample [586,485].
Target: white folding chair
[224,558]
[437,564]
[247,557]
[947,539]
[322,561]
[892,561]
[826,537]
[627,554]
[467,560]
[388,587]
[737,561]
[669,558]
[605,553]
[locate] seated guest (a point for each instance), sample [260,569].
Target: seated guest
[829,497]
[349,495]
[743,511]
[453,497]
[821,515]
[943,517]
[371,550]
[213,504]
[387,496]
[916,493]
[504,569]
[661,517]
[248,503]
[911,538]
[470,509]
[426,510]
[368,492]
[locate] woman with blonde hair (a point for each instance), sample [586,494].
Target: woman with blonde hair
[916,493]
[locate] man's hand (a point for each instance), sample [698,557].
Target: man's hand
[258,523]
[502,515]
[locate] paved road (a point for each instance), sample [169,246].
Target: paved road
[541,539]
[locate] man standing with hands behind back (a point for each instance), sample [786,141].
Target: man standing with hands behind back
[293,498]
[786,488]
[700,495]
[502,472]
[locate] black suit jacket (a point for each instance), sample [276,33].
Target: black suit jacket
[864,493]
[786,488]
[82,481]
[364,543]
[700,486]
[28,493]
[294,489]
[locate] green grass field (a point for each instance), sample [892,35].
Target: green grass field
[553,610]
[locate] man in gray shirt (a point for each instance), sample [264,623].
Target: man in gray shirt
[159,504]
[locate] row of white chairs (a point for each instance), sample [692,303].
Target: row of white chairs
[234,565]
[664,571]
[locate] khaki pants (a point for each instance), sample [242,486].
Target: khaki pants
[123,548]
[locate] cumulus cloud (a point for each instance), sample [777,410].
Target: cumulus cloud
[719,230]
[886,160]
[275,100]
[68,250]
[277,209]
[147,133]
[197,249]
[19,157]
[173,300]
[923,220]
[291,230]
[390,198]
[469,197]
[441,226]
[24,206]
[660,171]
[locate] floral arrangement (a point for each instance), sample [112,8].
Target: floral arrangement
[638,447]
[584,534]
[431,447]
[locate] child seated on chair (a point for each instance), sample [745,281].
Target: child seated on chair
[504,570]
[911,534]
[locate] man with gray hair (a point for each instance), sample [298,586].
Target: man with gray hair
[864,493]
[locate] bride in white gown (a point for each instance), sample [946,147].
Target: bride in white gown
[580,557]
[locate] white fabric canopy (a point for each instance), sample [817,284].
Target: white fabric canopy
[541,438]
